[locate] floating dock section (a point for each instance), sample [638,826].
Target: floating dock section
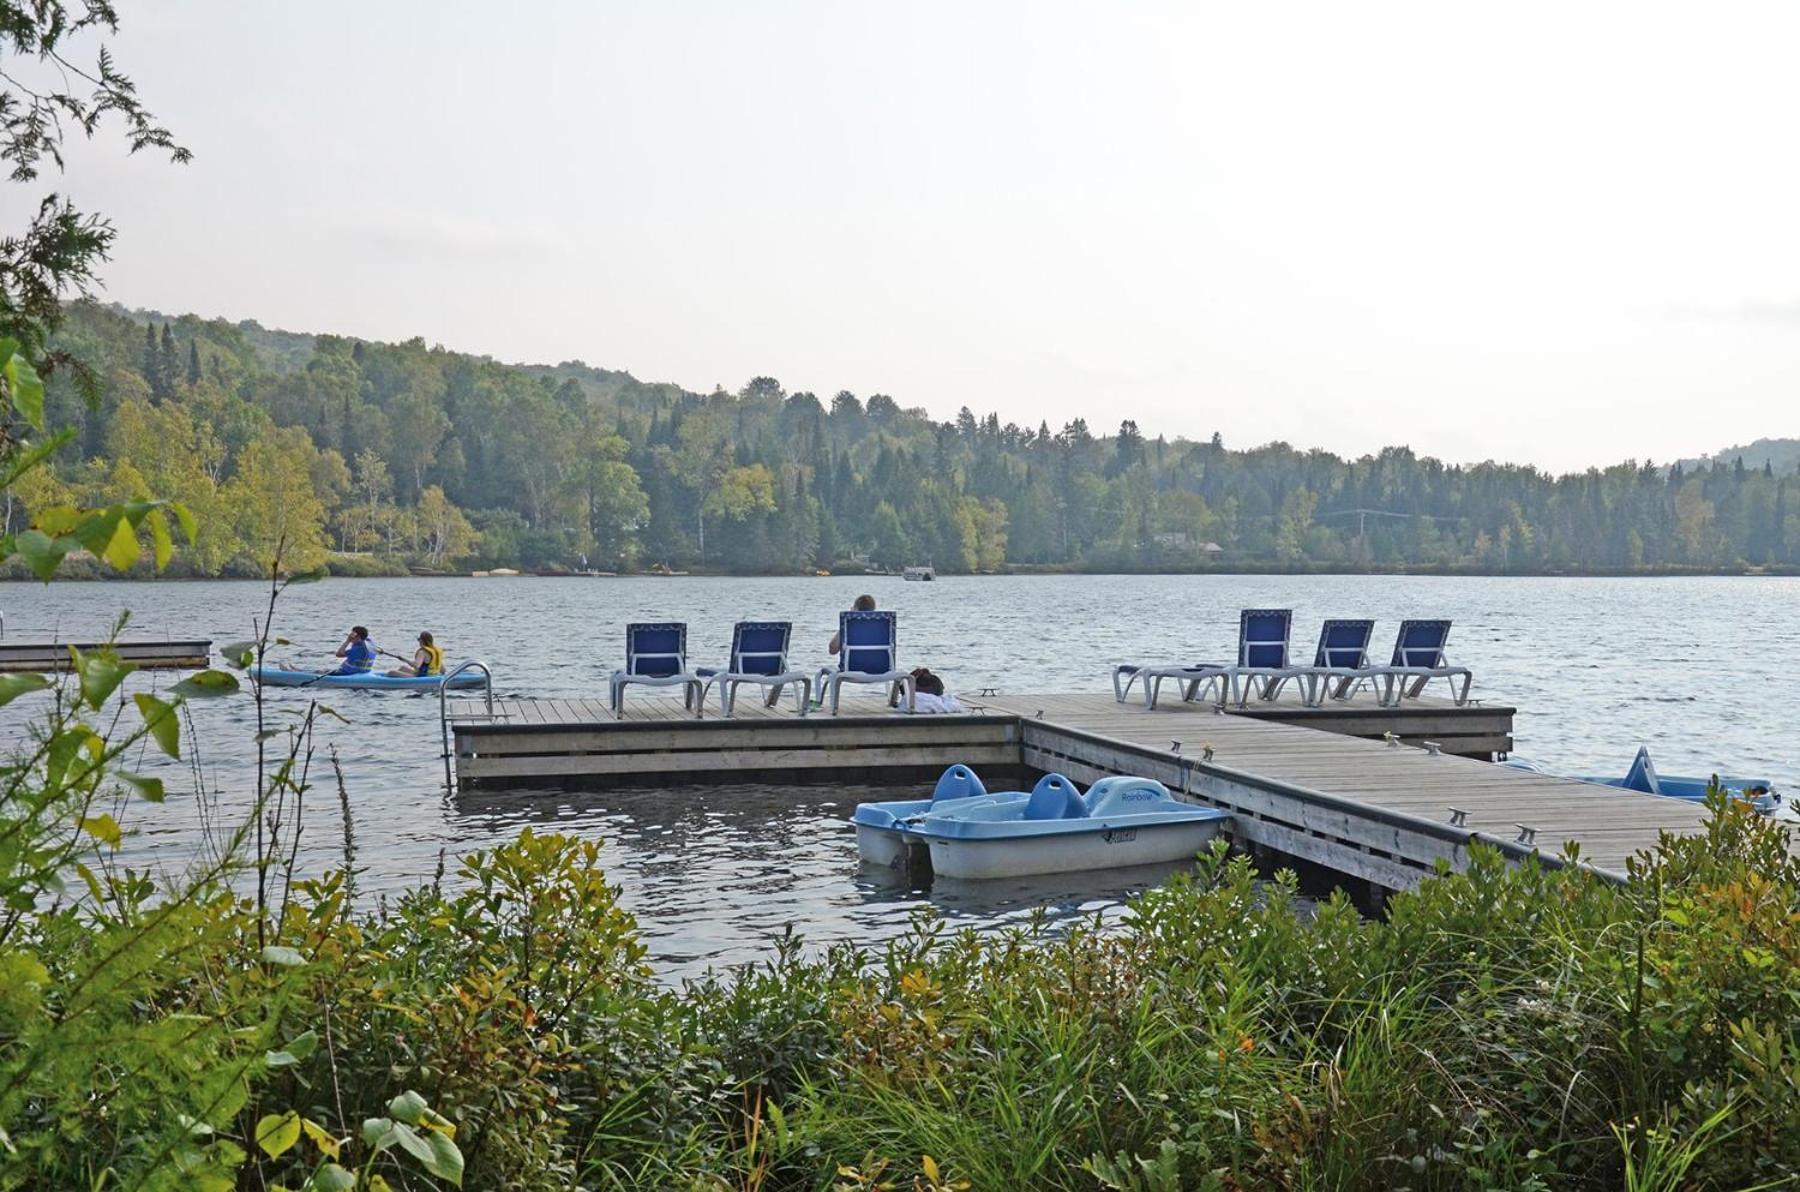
[146,655]
[1381,794]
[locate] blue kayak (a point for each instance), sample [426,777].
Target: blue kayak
[278,676]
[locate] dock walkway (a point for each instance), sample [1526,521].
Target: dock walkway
[192,654]
[1379,809]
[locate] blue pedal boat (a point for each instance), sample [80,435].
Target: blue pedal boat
[1642,777]
[1120,822]
[881,828]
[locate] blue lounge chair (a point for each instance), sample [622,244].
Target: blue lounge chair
[758,656]
[1262,654]
[1419,658]
[867,653]
[1341,663]
[655,656]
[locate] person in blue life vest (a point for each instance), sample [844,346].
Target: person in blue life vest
[358,653]
[427,660]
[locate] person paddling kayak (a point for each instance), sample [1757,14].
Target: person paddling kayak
[358,653]
[426,661]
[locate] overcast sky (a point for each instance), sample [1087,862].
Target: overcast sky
[1562,234]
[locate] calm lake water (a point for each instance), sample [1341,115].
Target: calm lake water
[1704,671]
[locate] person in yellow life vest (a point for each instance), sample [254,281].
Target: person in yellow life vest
[428,660]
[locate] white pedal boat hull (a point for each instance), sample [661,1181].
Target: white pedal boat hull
[1071,852]
[884,848]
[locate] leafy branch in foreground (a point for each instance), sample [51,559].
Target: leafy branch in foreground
[46,96]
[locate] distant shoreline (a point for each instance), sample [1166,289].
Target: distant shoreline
[1785,572]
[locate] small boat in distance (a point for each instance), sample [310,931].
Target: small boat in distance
[921,574]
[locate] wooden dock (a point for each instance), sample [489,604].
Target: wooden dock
[1376,809]
[146,655]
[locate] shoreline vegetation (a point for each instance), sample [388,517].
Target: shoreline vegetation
[351,453]
[81,569]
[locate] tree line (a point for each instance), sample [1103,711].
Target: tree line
[332,448]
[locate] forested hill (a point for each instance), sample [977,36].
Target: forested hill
[381,455]
[1781,456]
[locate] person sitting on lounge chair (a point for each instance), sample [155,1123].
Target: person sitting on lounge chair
[864,604]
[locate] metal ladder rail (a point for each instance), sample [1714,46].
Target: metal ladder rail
[444,707]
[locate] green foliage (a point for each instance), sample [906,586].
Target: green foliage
[385,452]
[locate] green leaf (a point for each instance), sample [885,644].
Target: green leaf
[149,789]
[23,383]
[446,1161]
[58,521]
[321,1137]
[331,1178]
[23,461]
[238,654]
[435,1152]
[276,1133]
[378,1133]
[101,675]
[122,548]
[102,827]
[206,684]
[159,718]
[13,686]
[408,1107]
[296,1050]
[42,553]
[306,577]
[284,957]
[189,529]
[159,538]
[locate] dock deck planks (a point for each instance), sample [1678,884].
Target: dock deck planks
[1368,807]
[187,654]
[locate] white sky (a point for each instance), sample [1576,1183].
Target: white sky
[1555,233]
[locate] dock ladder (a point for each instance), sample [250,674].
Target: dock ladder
[487,676]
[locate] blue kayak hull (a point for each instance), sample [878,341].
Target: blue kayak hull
[275,676]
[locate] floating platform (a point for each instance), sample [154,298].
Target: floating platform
[146,655]
[1377,809]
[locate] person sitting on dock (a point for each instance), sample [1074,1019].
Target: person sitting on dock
[864,604]
[427,660]
[358,653]
[929,695]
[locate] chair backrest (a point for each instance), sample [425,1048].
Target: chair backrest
[1263,637]
[1421,643]
[866,642]
[1642,775]
[655,649]
[958,782]
[1054,797]
[760,647]
[1344,644]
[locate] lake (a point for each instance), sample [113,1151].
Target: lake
[1703,670]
